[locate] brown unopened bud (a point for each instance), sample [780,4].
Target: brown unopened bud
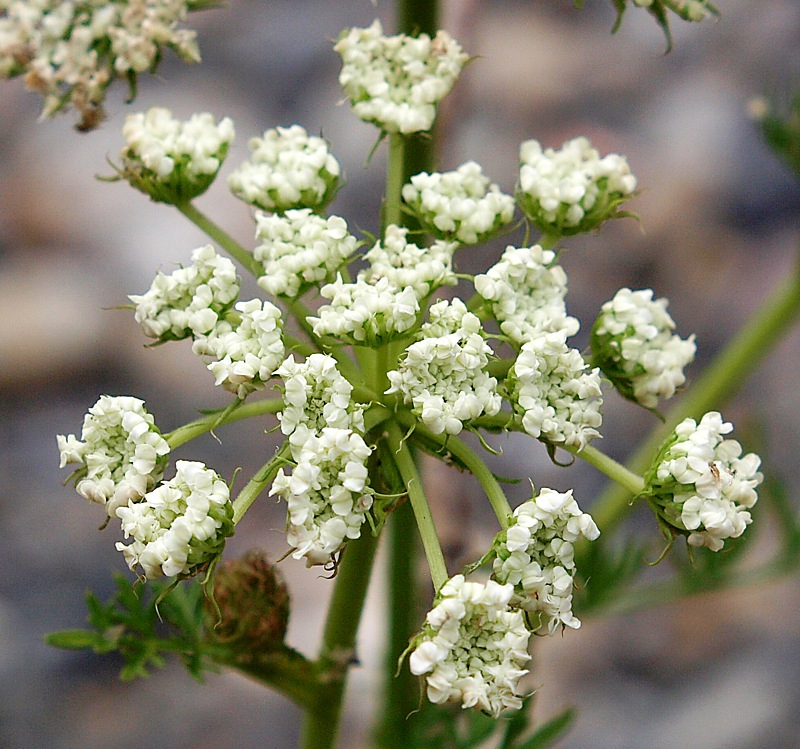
[250,606]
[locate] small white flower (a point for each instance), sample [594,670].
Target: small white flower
[246,352]
[555,398]
[327,494]
[121,453]
[461,205]
[288,169]
[526,290]
[473,647]
[405,264]
[189,301]
[571,190]
[179,526]
[174,161]
[300,249]
[704,484]
[632,342]
[535,555]
[397,81]
[364,313]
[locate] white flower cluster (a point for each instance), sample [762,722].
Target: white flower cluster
[299,249]
[535,555]
[121,452]
[364,313]
[397,81]
[189,301]
[246,352]
[555,398]
[405,264]
[572,190]
[170,160]
[474,647]
[443,376]
[703,482]
[327,495]
[526,291]
[461,205]
[70,52]
[632,342]
[288,169]
[316,395]
[179,526]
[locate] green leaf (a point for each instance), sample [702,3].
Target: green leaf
[549,732]
[73,639]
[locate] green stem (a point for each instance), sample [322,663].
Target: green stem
[395,178]
[258,483]
[631,482]
[419,502]
[188,432]
[720,381]
[470,460]
[221,237]
[337,654]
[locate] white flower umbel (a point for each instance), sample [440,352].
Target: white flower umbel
[526,290]
[189,301]
[170,160]
[702,484]
[70,52]
[316,395]
[405,264]
[364,313]
[461,205]
[121,453]
[473,648]
[327,494]
[288,169]
[299,250]
[571,190]
[247,350]
[396,82]
[179,526]
[535,555]
[555,398]
[442,377]
[633,344]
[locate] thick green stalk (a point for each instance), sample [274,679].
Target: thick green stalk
[395,178]
[221,237]
[419,502]
[258,483]
[721,380]
[321,723]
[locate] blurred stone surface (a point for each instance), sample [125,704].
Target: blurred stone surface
[719,226]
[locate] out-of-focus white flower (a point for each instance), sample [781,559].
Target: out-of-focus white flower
[571,190]
[71,52]
[327,493]
[535,555]
[179,526]
[247,351]
[405,264]
[703,483]
[364,313]
[121,453]
[461,205]
[443,377]
[173,161]
[189,301]
[396,82]
[288,169]
[526,290]
[473,648]
[632,342]
[300,249]
[555,398]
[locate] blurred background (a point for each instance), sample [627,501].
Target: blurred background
[719,229]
